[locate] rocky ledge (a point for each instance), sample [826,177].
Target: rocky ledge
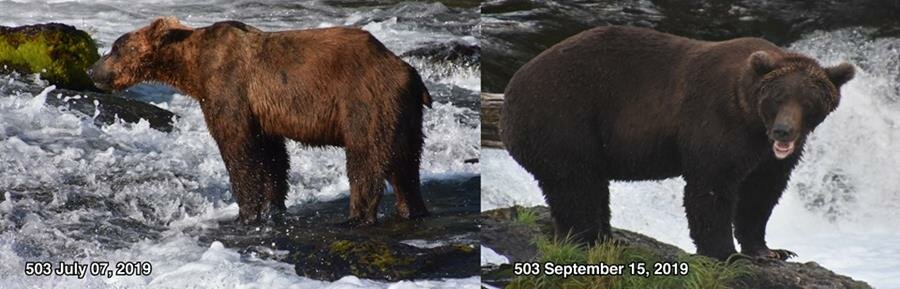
[502,232]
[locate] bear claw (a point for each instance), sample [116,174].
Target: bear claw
[781,254]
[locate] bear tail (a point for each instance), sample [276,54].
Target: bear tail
[426,97]
[420,88]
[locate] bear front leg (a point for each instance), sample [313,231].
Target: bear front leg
[257,167]
[257,163]
[709,213]
[758,195]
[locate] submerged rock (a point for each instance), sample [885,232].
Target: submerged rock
[456,51]
[442,245]
[105,108]
[502,232]
[59,52]
[113,106]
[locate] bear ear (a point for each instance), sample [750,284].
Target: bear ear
[840,74]
[762,62]
[168,21]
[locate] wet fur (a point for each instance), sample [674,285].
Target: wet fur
[630,104]
[332,86]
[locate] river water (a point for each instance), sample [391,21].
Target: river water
[74,191]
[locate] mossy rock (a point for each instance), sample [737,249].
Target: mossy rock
[364,258]
[59,52]
[384,259]
[441,245]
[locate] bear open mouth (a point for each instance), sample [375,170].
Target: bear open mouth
[783,149]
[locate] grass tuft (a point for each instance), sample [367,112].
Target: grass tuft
[526,216]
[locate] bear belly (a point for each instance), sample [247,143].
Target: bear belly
[314,130]
[642,160]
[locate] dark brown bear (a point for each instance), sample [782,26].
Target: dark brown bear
[629,104]
[332,86]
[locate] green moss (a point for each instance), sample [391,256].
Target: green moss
[464,248]
[702,273]
[61,54]
[341,246]
[371,255]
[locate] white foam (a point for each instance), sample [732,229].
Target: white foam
[490,257]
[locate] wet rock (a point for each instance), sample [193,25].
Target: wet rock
[501,232]
[442,245]
[514,31]
[107,107]
[59,52]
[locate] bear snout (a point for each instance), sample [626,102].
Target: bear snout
[100,76]
[783,137]
[782,132]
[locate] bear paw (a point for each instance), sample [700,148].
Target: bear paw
[411,215]
[764,256]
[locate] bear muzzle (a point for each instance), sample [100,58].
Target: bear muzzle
[785,131]
[101,77]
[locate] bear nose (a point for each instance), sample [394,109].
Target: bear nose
[781,131]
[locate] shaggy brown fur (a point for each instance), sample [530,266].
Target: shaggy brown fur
[620,103]
[332,86]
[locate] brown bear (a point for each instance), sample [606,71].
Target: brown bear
[630,104]
[331,86]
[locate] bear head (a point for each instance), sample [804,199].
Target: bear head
[792,94]
[148,53]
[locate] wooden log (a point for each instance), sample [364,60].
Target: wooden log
[490,119]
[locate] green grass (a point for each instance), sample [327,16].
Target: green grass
[526,216]
[703,272]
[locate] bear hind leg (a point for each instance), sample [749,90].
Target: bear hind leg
[404,173]
[580,208]
[709,213]
[366,172]
[404,178]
